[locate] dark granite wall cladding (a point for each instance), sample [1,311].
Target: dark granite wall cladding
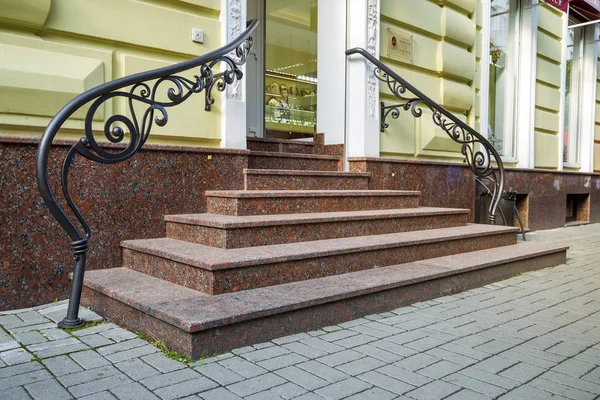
[441,184]
[123,201]
[547,195]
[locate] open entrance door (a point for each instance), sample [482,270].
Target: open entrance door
[282,84]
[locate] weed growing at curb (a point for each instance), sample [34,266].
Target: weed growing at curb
[173,355]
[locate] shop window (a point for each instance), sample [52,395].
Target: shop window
[573,91]
[578,209]
[503,47]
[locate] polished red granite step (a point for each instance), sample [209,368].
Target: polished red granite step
[280,145]
[228,232]
[214,270]
[198,325]
[315,162]
[281,179]
[266,202]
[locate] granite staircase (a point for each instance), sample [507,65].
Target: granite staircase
[303,246]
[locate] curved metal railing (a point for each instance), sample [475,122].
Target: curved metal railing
[478,151]
[138,92]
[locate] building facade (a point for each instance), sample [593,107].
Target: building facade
[524,73]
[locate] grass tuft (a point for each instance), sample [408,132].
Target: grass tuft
[88,324]
[173,355]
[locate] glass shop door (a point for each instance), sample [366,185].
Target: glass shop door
[290,68]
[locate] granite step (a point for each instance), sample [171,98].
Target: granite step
[214,270]
[281,179]
[293,161]
[197,324]
[280,145]
[267,202]
[229,232]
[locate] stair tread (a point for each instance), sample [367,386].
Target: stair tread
[276,140]
[232,221]
[293,155]
[213,258]
[250,171]
[193,311]
[309,193]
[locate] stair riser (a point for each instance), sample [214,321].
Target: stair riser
[300,182]
[291,205]
[243,278]
[310,164]
[261,236]
[224,338]
[281,147]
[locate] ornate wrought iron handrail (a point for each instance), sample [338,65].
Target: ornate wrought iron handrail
[139,92]
[478,159]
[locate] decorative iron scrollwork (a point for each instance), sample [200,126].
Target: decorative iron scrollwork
[477,150]
[141,91]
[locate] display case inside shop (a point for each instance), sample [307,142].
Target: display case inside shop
[290,104]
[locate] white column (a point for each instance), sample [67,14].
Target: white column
[362,95]
[331,70]
[233,115]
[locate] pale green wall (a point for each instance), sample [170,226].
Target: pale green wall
[52,50]
[443,67]
[548,81]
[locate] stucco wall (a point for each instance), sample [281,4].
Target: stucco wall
[443,67]
[548,83]
[53,50]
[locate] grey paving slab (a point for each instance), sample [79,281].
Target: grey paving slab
[89,359]
[286,391]
[133,391]
[172,378]
[162,362]
[61,365]
[16,393]
[185,388]
[434,390]
[533,336]
[136,369]
[218,373]
[16,356]
[48,389]
[302,378]
[323,371]
[342,389]
[256,384]
[219,394]
[386,382]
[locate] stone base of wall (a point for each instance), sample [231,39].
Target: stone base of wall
[120,202]
[542,199]
[441,184]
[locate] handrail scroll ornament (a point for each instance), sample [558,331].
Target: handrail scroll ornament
[479,153]
[142,91]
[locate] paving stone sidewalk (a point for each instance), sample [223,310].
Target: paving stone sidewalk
[534,336]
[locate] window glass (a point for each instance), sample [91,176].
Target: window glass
[501,76]
[291,68]
[572,94]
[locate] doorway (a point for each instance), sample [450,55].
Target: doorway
[282,69]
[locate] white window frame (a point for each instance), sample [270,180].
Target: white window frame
[585,112]
[519,114]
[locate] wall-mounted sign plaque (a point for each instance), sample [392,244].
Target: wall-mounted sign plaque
[399,45]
